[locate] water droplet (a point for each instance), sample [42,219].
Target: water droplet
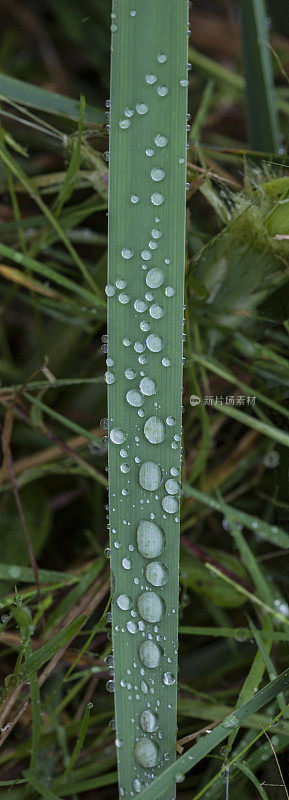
[160,140]
[154,431]
[118,743]
[133,13]
[123,602]
[117,436]
[110,686]
[156,573]
[138,785]
[169,291]
[131,627]
[156,233]
[120,284]
[166,362]
[144,326]
[179,777]
[126,563]
[153,245]
[162,91]
[148,721]
[154,343]
[129,112]
[162,58]
[151,78]
[171,486]
[146,255]
[134,198]
[110,362]
[134,398]
[150,152]
[150,476]
[109,290]
[231,722]
[157,199]
[181,160]
[169,678]
[126,253]
[170,504]
[150,539]
[109,377]
[156,311]
[170,421]
[126,342]
[144,687]
[157,174]
[149,296]
[147,386]
[139,347]
[140,306]
[130,374]
[151,607]
[123,298]
[146,752]
[154,278]
[142,108]
[124,123]
[184,82]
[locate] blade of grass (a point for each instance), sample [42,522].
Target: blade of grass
[50,102]
[260,101]
[146,208]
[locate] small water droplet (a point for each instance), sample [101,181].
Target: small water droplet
[161,141]
[169,291]
[126,563]
[168,678]
[109,377]
[140,306]
[123,602]
[138,785]
[109,290]
[133,13]
[146,255]
[139,347]
[172,486]
[118,743]
[126,342]
[150,152]
[124,123]
[162,91]
[126,253]
[134,198]
[162,58]
[142,108]
[166,362]
[157,174]
[120,284]
[131,627]
[130,374]
[184,82]
[110,686]
[123,299]
[154,278]
[170,421]
[151,78]
[117,436]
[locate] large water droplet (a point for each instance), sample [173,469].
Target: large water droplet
[156,311]
[171,486]
[117,436]
[148,721]
[126,253]
[160,140]
[123,602]
[150,539]
[230,722]
[134,398]
[169,678]
[151,78]
[146,752]
[151,607]
[124,123]
[144,687]
[147,386]
[154,430]
[150,654]
[157,174]
[157,199]
[156,573]
[170,504]
[142,108]
[154,278]
[154,343]
[150,476]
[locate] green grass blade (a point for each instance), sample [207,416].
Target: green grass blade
[261,107]
[50,102]
[195,754]
[145,321]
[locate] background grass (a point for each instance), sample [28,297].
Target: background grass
[234,576]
